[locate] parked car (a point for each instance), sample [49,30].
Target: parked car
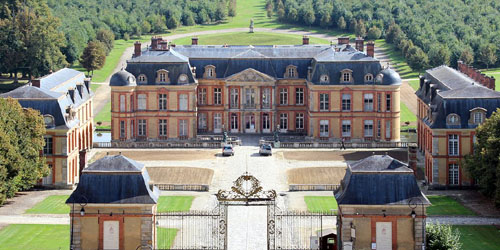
[227,150]
[265,149]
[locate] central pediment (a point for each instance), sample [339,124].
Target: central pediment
[250,75]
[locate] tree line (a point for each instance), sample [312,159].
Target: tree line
[428,33]
[37,36]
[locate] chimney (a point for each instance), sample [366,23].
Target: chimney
[86,81]
[412,157]
[305,40]
[155,40]
[137,49]
[360,44]
[370,49]
[35,82]
[343,40]
[194,40]
[491,84]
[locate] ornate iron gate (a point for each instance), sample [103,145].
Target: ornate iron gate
[286,230]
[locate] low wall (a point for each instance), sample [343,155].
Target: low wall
[171,144]
[336,144]
[313,187]
[183,187]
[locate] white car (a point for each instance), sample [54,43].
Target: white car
[227,150]
[265,149]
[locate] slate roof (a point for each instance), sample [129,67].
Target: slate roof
[268,59]
[378,180]
[454,93]
[115,180]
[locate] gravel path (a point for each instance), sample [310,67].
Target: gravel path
[463,220]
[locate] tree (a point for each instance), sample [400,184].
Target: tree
[441,237]
[281,14]
[487,54]
[188,18]
[293,15]
[483,164]
[146,27]
[417,59]
[393,31]
[309,17]
[341,23]
[467,57]
[231,9]
[172,23]
[93,56]
[21,140]
[352,25]
[439,55]
[269,8]
[360,29]
[220,12]
[374,33]
[326,20]
[107,37]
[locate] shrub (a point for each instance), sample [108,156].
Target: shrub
[441,237]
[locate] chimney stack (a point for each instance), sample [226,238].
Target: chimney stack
[360,44]
[343,40]
[305,40]
[137,49]
[370,49]
[35,82]
[194,40]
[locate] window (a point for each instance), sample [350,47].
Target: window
[131,103]
[48,147]
[217,96]
[368,78]
[388,102]
[202,121]
[379,125]
[122,129]
[299,96]
[299,121]
[453,145]
[266,98]
[141,128]
[379,102]
[122,103]
[453,119]
[388,129]
[234,121]
[142,78]
[453,174]
[346,102]
[250,97]
[283,96]
[368,102]
[162,76]
[266,122]
[162,127]
[209,71]
[202,96]
[284,121]
[162,101]
[217,121]
[346,76]
[141,101]
[132,132]
[291,71]
[478,117]
[183,78]
[324,79]
[346,128]
[183,128]
[324,102]
[183,102]
[323,128]
[368,128]
[234,98]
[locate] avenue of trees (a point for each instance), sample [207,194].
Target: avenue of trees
[428,33]
[21,140]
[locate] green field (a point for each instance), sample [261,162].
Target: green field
[105,114]
[54,204]
[406,114]
[28,236]
[495,73]
[320,204]
[246,38]
[398,62]
[166,237]
[479,237]
[445,205]
[174,203]
[415,84]
[94,87]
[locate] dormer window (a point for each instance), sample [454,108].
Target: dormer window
[210,71]
[477,115]
[379,78]
[453,119]
[142,78]
[49,121]
[346,76]
[324,79]
[368,78]
[291,71]
[162,76]
[183,78]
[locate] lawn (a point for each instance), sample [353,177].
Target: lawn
[94,87]
[398,62]
[166,237]
[54,204]
[105,114]
[495,73]
[406,114]
[445,205]
[320,204]
[28,236]
[415,84]
[174,203]
[246,38]
[479,237]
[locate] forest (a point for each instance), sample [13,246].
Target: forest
[428,33]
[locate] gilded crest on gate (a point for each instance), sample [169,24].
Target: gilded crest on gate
[246,188]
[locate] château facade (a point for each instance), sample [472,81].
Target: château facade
[328,92]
